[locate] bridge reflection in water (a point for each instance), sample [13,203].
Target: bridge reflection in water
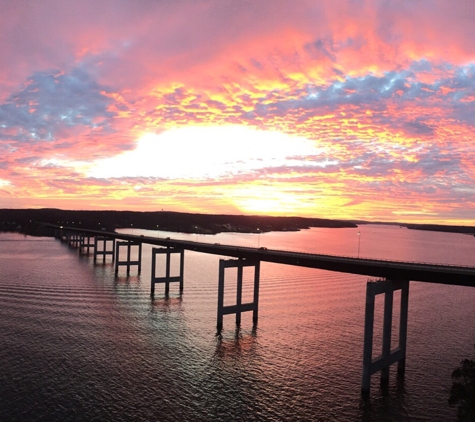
[391,276]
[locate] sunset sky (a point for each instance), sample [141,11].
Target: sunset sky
[347,109]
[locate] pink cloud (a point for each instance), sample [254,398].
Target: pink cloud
[386,89]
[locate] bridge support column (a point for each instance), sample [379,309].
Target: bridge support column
[63,236]
[104,251]
[74,240]
[86,243]
[239,307]
[128,262]
[168,278]
[388,356]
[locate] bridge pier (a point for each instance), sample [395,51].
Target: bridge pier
[167,279]
[388,356]
[74,240]
[104,241]
[63,236]
[128,262]
[239,307]
[86,243]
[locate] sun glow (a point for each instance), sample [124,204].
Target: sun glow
[205,152]
[272,200]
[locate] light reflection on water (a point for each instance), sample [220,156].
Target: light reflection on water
[81,344]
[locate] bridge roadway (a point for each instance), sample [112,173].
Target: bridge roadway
[393,270]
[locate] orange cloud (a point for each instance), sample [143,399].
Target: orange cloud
[384,92]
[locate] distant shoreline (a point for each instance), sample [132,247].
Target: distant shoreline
[30,221]
[441,228]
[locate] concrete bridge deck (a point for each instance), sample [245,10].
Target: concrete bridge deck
[395,270]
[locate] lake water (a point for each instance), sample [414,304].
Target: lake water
[79,344]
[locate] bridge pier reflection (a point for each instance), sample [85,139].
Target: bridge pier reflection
[388,356]
[239,307]
[168,278]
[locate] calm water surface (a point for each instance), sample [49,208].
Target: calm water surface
[78,343]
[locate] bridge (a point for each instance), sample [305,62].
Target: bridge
[392,276]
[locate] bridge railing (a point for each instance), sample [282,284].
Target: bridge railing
[311,254]
[190,243]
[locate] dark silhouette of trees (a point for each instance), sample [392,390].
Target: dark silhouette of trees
[462,393]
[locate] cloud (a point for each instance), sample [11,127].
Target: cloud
[418,128]
[52,106]
[384,92]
